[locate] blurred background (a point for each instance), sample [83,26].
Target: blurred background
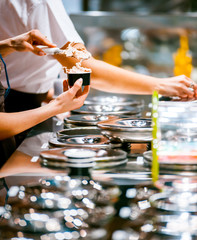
[140,35]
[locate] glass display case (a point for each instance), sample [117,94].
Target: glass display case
[144,43]
[141,43]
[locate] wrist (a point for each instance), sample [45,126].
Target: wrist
[6,47]
[54,107]
[158,86]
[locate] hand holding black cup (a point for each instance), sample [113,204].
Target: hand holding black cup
[73,77]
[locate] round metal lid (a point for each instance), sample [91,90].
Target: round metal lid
[99,154]
[103,158]
[128,124]
[79,153]
[62,165]
[79,131]
[112,100]
[87,119]
[124,136]
[82,137]
[86,141]
[108,110]
[98,165]
[127,129]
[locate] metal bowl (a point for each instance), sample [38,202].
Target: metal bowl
[66,157]
[113,100]
[82,137]
[87,119]
[108,110]
[127,129]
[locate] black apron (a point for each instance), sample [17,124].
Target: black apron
[7,146]
[20,101]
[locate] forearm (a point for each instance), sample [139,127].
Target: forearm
[70,99]
[23,120]
[109,78]
[106,77]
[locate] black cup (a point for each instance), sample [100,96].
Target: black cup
[73,77]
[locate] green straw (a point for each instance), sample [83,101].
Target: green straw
[154,145]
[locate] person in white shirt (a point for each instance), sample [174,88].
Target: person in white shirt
[16,122]
[27,73]
[32,77]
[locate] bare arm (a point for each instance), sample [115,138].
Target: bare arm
[114,79]
[109,78]
[69,100]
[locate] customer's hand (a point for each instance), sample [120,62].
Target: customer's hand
[179,86]
[72,98]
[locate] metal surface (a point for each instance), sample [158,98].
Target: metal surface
[192,166]
[108,110]
[98,165]
[82,137]
[54,206]
[127,130]
[113,101]
[142,137]
[175,202]
[129,124]
[79,131]
[86,141]
[87,119]
[37,221]
[103,158]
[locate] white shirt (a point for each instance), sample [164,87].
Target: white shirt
[28,72]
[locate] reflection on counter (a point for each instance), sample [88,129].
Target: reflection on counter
[69,181]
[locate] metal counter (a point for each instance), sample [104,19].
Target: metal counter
[120,196]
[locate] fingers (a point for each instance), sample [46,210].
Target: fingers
[86,90]
[84,94]
[77,91]
[26,42]
[27,47]
[65,85]
[76,87]
[38,51]
[40,39]
[37,38]
[187,88]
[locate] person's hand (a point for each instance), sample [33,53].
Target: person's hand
[28,41]
[69,62]
[179,86]
[72,98]
[25,42]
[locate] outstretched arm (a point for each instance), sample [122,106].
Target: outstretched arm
[109,78]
